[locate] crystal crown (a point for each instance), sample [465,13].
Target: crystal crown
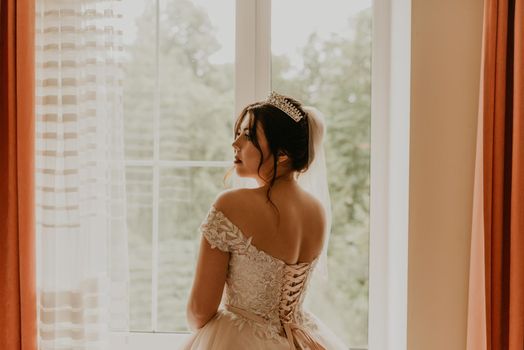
[284,105]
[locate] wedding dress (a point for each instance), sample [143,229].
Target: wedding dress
[262,305]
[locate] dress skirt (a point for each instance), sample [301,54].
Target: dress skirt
[223,332]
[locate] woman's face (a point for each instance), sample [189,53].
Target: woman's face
[247,156]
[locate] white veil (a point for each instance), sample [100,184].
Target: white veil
[314,180]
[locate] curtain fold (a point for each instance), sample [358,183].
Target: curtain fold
[516,274]
[17,243]
[82,253]
[496,287]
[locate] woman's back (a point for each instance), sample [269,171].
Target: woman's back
[263,301]
[294,235]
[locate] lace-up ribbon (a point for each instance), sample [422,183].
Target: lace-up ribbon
[295,334]
[295,277]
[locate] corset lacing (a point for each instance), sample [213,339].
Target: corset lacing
[295,277]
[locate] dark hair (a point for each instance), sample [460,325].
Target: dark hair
[283,134]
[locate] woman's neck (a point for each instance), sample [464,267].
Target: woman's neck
[287,179]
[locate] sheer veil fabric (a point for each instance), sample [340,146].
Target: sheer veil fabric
[314,180]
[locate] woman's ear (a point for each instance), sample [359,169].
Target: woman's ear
[282,157]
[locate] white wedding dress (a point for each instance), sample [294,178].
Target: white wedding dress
[262,308]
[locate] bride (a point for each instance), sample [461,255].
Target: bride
[262,244]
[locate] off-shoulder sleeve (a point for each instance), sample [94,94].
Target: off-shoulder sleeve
[222,233]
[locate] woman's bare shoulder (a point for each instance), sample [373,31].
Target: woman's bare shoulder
[240,203]
[312,203]
[231,200]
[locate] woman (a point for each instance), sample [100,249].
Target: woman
[263,243]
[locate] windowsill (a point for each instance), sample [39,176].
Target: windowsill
[147,340]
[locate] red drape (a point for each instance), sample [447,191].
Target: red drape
[496,290]
[17,239]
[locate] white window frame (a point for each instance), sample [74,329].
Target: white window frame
[389,202]
[389,194]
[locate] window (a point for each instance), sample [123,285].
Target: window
[188,66]
[178,95]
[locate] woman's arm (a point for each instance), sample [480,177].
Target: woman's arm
[208,285]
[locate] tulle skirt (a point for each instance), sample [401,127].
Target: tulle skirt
[221,333]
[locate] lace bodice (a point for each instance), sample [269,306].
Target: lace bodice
[258,283]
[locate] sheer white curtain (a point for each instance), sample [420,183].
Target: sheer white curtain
[82,257]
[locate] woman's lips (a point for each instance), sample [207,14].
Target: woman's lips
[236,161]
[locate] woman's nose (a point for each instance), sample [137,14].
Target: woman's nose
[235,144]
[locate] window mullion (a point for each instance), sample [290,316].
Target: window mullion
[244,53]
[178,163]
[156,176]
[262,49]
[252,51]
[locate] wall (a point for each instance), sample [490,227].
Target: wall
[446,47]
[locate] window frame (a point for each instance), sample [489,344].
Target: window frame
[389,172]
[389,197]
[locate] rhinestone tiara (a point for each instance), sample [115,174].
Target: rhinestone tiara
[284,105]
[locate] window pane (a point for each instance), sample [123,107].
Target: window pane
[139,78]
[185,197]
[139,186]
[196,57]
[325,60]
[182,79]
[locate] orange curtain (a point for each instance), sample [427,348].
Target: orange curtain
[496,285]
[17,239]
